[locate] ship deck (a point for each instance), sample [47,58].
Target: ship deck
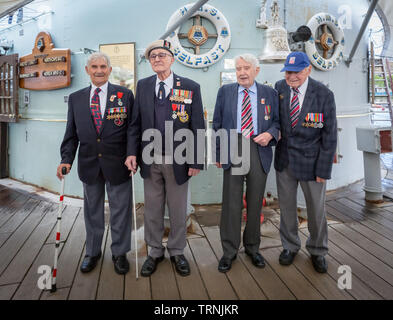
[360,236]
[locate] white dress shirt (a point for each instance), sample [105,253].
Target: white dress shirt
[103,96]
[301,94]
[168,84]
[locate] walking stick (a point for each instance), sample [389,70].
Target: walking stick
[57,243]
[136,242]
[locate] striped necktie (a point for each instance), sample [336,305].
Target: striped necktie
[96,109]
[295,108]
[247,124]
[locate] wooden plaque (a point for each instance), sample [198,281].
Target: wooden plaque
[46,68]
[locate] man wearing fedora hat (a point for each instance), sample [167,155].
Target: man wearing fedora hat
[165,103]
[304,156]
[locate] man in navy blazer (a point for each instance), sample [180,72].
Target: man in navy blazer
[304,156]
[247,113]
[97,122]
[165,105]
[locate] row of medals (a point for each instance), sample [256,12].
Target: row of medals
[316,125]
[117,115]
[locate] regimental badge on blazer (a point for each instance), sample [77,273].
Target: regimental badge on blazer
[314,120]
[281,96]
[117,115]
[181,96]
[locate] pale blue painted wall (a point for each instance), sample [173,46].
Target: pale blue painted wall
[34,146]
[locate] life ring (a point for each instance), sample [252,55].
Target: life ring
[327,41]
[216,53]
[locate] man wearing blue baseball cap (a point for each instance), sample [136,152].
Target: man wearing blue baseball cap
[304,156]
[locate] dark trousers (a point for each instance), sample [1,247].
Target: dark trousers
[120,204]
[231,218]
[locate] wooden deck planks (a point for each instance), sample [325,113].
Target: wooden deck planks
[85,285]
[111,284]
[11,247]
[28,289]
[366,275]
[192,286]
[6,292]
[241,280]
[359,290]
[292,277]
[163,281]
[368,245]
[217,284]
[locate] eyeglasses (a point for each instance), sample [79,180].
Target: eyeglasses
[161,55]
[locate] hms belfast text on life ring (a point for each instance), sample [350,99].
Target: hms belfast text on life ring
[198,35]
[327,41]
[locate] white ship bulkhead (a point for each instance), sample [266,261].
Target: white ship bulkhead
[34,145]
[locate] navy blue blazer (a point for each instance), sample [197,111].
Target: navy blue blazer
[143,119]
[104,151]
[225,117]
[308,151]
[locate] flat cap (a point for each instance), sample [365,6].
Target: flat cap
[159,44]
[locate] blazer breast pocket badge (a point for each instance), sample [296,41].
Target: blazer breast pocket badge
[117,115]
[314,120]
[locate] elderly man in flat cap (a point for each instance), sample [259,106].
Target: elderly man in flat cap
[167,103]
[304,156]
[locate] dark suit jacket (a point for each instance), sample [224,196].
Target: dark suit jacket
[143,119]
[105,151]
[225,117]
[308,151]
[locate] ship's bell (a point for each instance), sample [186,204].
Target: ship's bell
[276,46]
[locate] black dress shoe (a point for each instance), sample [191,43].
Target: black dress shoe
[286,257]
[121,264]
[89,263]
[150,265]
[257,259]
[225,264]
[181,265]
[319,263]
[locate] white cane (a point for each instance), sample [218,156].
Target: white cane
[135,236]
[57,243]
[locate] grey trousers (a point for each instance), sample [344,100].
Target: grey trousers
[120,203]
[314,194]
[232,205]
[159,187]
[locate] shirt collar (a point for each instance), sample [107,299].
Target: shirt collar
[252,89]
[168,81]
[104,87]
[303,88]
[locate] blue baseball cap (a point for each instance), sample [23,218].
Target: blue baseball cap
[296,61]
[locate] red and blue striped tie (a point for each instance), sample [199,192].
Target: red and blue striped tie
[247,124]
[295,108]
[96,109]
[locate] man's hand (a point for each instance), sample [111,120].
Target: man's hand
[193,172]
[59,169]
[263,139]
[131,163]
[218,165]
[320,180]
